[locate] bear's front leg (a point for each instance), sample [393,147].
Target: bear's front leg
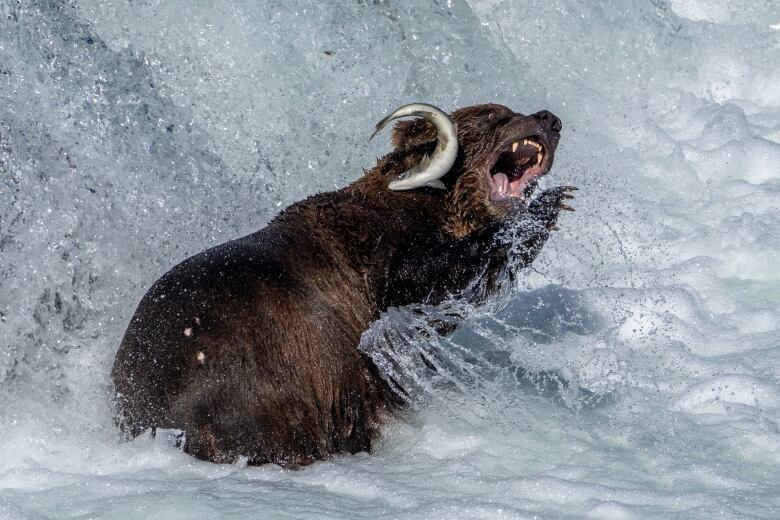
[430,276]
[535,225]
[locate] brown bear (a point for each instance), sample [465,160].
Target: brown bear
[251,347]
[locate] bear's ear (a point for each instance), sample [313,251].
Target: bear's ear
[408,134]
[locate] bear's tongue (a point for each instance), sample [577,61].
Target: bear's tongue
[500,189]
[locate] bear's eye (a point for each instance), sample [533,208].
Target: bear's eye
[488,120]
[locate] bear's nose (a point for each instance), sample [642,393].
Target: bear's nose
[549,120]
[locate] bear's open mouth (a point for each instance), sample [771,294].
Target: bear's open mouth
[515,169]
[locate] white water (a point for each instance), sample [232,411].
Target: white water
[632,373]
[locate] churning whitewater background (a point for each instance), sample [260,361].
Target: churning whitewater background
[633,372]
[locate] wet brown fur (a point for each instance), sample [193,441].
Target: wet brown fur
[278,314]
